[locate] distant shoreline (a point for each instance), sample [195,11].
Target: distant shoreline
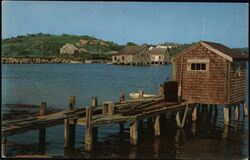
[49,60]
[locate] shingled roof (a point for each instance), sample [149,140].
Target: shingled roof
[219,49]
[157,51]
[132,50]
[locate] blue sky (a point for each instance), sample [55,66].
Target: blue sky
[147,22]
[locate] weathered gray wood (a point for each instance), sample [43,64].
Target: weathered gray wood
[133,133]
[157,125]
[88,130]
[245,108]
[72,102]
[194,113]
[226,115]
[3,146]
[42,131]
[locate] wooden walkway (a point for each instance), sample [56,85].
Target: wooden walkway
[93,116]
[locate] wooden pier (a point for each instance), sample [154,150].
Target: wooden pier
[93,116]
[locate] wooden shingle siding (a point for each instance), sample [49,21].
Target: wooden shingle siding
[208,87]
[237,85]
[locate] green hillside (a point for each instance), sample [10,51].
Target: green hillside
[49,45]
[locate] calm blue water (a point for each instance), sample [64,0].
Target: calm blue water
[54,83]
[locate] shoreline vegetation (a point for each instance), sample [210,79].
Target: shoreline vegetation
[43,48]
[49,60]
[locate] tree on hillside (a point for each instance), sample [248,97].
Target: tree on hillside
[131,44]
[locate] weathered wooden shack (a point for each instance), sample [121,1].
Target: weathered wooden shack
[132,55]
[211,73]
[159,56]
[69,49]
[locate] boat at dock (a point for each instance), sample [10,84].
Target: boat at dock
[134,95]
[88,61]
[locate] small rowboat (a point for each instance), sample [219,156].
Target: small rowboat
[136,95]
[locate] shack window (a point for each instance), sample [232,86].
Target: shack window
[197,64]
[115,58]
[159,57]
[122,57]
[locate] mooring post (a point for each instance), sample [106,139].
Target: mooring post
[88,130]
[162,90]
[157,125]
[133,133]
[245,108]
[3,146]
[226,115]
[236,112]
[194,113]
[42,131]
[94,102]
[141,94]
[122,96]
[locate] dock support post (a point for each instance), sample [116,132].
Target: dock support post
[194,113]
[69,128]
[122,96]
[245,108]
[88,130]
[236,112]
[133,133]
[157,125]
[42,131]
[162,90]
[180,123]
[94,104]
[3,146]
[226,115]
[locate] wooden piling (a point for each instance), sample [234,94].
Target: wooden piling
[72,102]
[161,90]
[70,128]
[157,125]
[94,102]
[3,146]
[133,133]
[236,112]
[226,115]
[88,130]
[194,114]
[122,96]
[42,131]
[245,108]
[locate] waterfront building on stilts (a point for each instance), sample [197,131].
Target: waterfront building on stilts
[210,73]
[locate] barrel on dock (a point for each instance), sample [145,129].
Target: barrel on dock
[171,91]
